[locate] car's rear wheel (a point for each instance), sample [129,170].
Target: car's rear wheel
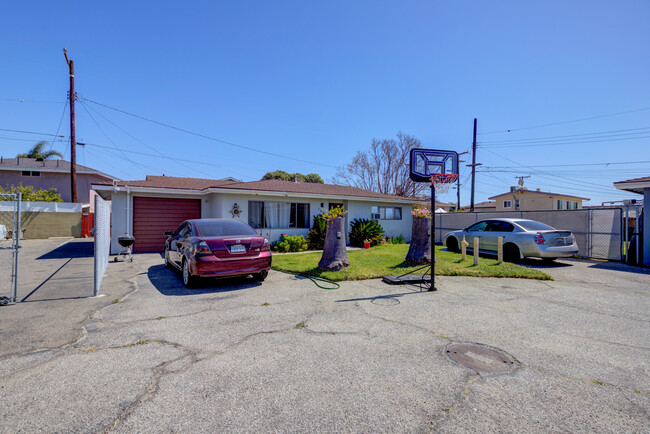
[452,245]
[511,253]
[259,277]
[188,280]
[168,264]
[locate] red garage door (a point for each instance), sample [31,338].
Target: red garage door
[152,216]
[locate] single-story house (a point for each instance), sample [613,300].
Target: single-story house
[640,186]
[47,174]
[157,204]
[523,199]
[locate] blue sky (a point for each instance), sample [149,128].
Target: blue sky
[316,81]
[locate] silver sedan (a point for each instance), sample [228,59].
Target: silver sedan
[521,239]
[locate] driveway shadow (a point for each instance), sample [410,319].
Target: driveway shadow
[168,282]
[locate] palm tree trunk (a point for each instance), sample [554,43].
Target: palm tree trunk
[335,256]
[420,248]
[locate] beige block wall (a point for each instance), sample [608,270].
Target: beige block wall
[39,225]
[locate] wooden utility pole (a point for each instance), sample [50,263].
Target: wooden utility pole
[473,165]
[73,143]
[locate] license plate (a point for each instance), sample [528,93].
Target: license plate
[561,241]
[237,248]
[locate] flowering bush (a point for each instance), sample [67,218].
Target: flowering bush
[333,213]
[421,212]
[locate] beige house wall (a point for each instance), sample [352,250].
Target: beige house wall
[534,201]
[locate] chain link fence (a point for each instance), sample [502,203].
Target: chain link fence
[10,235]
[102,233]
[599,232]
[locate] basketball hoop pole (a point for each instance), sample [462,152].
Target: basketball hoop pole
[433,235]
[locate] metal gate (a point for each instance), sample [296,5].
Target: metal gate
[9,246]
[599,232]
[102,233]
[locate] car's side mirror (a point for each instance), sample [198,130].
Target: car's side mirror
[168,233]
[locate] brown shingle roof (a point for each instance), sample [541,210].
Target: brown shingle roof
[270,185]
[45,166]
[633,180]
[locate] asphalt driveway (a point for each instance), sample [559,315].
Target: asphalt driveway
[286,355]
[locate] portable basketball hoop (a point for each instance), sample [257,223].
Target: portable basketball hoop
[440,168]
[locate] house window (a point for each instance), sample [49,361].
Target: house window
[559,204]
[36,173]
[386,213]
[271,214]
[335,205]
[516,203]
[31,173]
[507,204]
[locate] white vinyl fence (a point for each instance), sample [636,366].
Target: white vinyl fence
[598,231]
[102,240]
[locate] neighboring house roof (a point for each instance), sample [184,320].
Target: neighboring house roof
[269,185]
[546,193]
[47,166]
[481,205]
[635,185]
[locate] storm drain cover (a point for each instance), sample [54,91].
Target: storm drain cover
[482,358]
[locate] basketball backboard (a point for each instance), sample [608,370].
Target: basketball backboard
[427,162]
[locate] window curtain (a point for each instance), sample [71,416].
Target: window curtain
[255,214]
[277,214]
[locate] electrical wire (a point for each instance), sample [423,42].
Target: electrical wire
[205,136]
[59,126]
[566,122]
[562,143]
[581,135]
[163,155]
[574,165]
[115,146]
[29,132]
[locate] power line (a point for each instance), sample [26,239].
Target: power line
[158,156]
[59,127]
[157,151]
[573,165]
[205,136]
[565,142]
[35,101]
[113,143]
[566,179]
[566,122]
[29,132]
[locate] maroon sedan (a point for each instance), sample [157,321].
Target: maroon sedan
[217,248]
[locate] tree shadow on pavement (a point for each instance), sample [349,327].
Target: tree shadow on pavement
[168,282]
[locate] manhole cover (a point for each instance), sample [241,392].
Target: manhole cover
[385,301]
[481,358]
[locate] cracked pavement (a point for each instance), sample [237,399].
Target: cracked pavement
[288,356]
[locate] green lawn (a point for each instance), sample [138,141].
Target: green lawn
[389,260]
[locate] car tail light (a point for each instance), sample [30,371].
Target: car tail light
[539,239]
[203,249]
[267,246]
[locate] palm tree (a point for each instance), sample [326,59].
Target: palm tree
[37,152]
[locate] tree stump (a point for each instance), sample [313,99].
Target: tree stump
[420,248]
[335,256]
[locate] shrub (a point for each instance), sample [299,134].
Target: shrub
[289,243]
[365,229]
[31,195]
[399,239]
[316,236]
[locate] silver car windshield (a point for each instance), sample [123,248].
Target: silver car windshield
[530,225]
